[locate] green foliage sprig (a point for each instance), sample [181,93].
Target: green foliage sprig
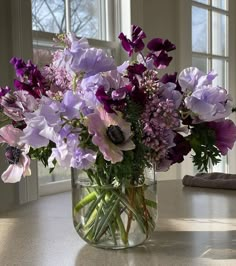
[202,140]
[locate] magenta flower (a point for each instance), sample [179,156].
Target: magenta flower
[225,134]
[16,154]
[159,52]
[111,134]
[135,44]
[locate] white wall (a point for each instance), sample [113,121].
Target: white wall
[16,40]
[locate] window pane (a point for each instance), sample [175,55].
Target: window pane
[202,1]
[58,174]
[199,30]
[48,16]
[222,4]
[222,166]
[218,66]
[200,63]
[219,38]
[85,18]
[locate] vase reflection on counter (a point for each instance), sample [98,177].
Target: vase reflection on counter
[113,217]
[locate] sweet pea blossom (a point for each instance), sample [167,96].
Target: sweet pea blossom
[69,154]
[159,52]
[209,103]
[16,154]
[43,124]
[136,43]
[111,134]
[191,79]
[79,58]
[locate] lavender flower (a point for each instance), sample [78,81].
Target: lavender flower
[191,79]
[43,124]
[209,103]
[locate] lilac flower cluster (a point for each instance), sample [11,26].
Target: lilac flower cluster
[160,118]
[85,112]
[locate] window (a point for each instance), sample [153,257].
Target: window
[210,45]
[94,19]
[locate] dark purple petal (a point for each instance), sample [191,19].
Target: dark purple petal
[36,92]
[162,60]
[158,44]
[136,69]
[4,91]
[136,44]
[168,46]
[225,134]
[104,99]
[19,66]
[182,147]
[125,42]
[169,78]
[155,44]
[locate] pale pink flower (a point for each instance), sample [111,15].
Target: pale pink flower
[16,155]
[111,133]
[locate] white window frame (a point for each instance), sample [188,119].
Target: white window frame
[185,60]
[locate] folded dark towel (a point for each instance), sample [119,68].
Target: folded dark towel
[211,180]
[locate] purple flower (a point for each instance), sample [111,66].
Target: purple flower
[19,65]
[17,104]
[30,77]
[111,134]
[158,44]
[135,44]
[168,91]
[160,59]
[192,79]
[83,158]
[182,148]
[225,134]
[159,52]
[43,124]
[71,105]
[91,61]
[4,91]
[209,103]
[105,99]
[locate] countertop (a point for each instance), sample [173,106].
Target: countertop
[196,227]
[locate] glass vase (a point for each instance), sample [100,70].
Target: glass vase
[113,217]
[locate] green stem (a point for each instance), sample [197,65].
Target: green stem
[86,200]
[123,234]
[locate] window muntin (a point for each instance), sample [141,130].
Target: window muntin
[210,48]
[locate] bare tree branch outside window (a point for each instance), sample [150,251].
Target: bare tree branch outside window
[49,16]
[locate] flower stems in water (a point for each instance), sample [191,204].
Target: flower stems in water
[105,212]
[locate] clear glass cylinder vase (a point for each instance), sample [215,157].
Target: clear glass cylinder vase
[113,217]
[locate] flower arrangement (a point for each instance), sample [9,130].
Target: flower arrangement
[83,111]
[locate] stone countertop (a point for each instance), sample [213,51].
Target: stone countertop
[196,227]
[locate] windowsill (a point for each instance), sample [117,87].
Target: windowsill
[55,187]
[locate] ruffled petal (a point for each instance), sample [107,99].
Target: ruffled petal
[13,173]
